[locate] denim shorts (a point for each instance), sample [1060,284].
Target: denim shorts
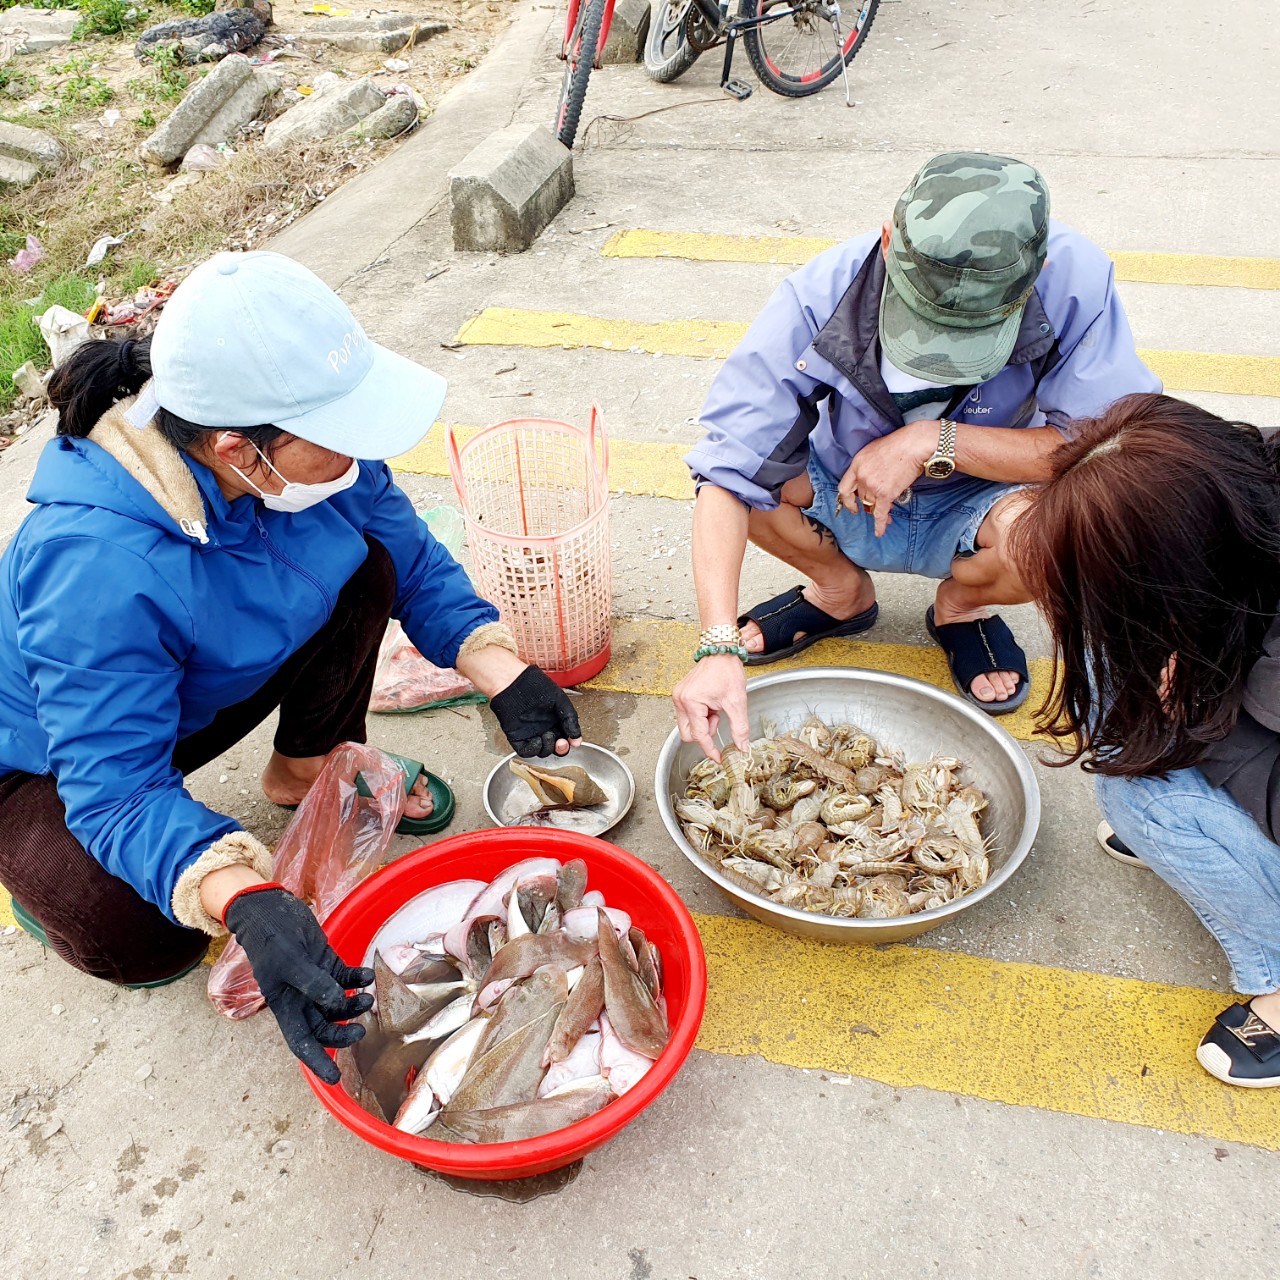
[928,531]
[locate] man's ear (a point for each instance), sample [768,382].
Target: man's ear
[885,232]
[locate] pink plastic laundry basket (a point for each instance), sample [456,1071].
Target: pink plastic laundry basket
[535,495]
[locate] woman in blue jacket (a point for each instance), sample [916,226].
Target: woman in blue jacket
[210,543]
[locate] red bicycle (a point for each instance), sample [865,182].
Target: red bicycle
[586,28]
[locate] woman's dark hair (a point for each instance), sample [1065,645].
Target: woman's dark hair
[97,374]
[1157,537]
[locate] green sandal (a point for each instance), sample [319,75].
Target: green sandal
[29,924]
[442,798]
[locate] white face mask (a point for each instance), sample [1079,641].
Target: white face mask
[298,497]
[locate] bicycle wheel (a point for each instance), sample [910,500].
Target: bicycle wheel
[801,53]
[667,51]
[577,69]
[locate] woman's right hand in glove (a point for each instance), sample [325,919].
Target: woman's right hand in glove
[299,974]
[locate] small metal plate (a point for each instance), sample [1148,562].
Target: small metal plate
[508,798]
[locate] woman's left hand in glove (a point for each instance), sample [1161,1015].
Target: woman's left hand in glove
[299,974]
[533,711]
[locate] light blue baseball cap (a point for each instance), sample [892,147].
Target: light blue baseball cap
[255,339]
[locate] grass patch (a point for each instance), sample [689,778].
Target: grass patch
[168,80]
[196,8]
[108,17]
[20,336]
[133,274]
[80,89]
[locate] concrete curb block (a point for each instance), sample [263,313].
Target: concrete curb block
[358,223]
[627,33]
[507,190]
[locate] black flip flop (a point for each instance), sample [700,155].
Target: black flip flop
[1241,1049]
[978,648]
[780,618]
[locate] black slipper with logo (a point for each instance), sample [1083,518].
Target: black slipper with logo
[1241,1049]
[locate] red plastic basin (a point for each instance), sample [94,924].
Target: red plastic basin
[627,883]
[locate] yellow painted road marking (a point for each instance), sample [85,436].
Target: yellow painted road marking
[638,467]
[6,911]
[1028,1035]
[794,251]
[714,339]
[511,327]
[652,655]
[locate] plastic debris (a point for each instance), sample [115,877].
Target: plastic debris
[149,298]
[202,158]
[28,381]
[327,10]
[283,1149]
[48,1130]
[27,257]
[110,118]
[143,1072]
[101,247]
[63,332]
[396,64]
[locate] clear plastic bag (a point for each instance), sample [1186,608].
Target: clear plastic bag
[336,839]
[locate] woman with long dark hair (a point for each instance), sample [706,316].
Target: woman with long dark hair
[210,542]
[1154,553]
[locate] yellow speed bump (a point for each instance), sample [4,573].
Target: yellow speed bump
[793,251]
[714,339]
[642,468]
[1080,1043]
[650,656]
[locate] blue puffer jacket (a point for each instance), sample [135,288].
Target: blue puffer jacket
[122,632]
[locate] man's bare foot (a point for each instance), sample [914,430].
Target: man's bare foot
[844,604]
[287,779]
[995,686]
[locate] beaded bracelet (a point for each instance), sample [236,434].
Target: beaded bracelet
[715,650]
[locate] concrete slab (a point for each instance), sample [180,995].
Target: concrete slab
[33,146]
[213,110]
[38,29]
[331,111]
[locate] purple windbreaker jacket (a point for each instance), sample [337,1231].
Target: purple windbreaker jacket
[807,375]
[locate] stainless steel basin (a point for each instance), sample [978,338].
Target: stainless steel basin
[902,714]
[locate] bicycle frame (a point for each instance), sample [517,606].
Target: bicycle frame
[567,53]
[716,16]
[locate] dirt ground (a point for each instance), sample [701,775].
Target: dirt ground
[102,102]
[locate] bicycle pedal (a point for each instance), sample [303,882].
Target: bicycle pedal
[737,89]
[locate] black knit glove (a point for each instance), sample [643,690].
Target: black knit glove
[534,712]
[299,974]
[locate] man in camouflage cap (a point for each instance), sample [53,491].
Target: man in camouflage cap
[883,413]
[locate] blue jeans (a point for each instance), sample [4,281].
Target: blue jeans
[1202,844]
[928,531]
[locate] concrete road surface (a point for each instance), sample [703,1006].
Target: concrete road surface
[1014,1095]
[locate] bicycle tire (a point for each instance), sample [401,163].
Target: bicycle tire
[573,90]
[672,68]
[791,86]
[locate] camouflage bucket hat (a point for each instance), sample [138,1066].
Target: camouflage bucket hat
[967,244]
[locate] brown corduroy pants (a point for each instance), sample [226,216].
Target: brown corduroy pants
[100,924]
